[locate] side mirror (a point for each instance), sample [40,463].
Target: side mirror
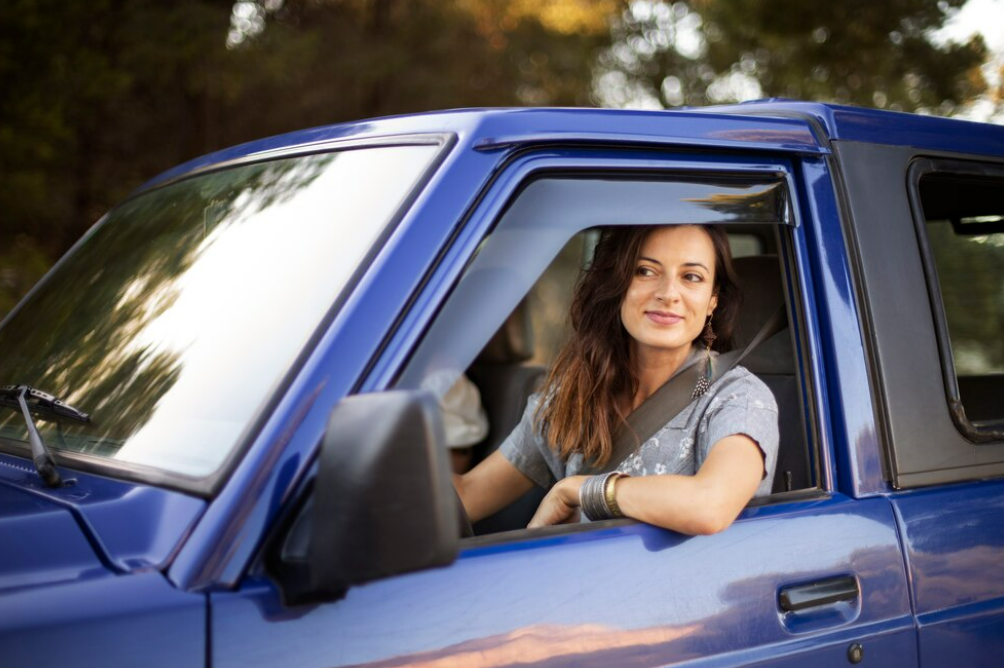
[383,503]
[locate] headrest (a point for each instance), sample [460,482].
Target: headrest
[513,342]
[760,281]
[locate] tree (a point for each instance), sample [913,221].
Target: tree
[858,52]
[98,96]
[102,95]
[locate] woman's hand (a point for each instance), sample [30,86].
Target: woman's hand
[561,505]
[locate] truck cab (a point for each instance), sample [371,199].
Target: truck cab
[258,340]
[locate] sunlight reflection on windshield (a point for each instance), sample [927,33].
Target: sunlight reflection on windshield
[262,279]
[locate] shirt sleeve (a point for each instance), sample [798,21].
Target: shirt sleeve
[744,405]
[524,448]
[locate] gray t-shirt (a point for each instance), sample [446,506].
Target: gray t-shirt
[738,403]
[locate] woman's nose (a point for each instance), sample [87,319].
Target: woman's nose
[667,290]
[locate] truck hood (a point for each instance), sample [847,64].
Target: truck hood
[94,527]
[42,543]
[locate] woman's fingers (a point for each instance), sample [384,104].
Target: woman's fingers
[552,510]
[560,506]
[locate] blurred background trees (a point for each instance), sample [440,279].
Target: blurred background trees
[876,54]
[99,96]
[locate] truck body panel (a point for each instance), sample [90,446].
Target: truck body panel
[630,595]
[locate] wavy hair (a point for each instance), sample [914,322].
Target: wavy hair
[593,372]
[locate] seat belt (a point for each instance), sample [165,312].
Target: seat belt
[677,393]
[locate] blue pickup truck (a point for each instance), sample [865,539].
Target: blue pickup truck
[220,443]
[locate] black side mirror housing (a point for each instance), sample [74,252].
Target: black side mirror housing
[383,502]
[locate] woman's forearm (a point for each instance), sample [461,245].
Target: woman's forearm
[681,503]
[704,503]
[674,502]
[490,486]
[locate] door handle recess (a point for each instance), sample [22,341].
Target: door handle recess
[822,592]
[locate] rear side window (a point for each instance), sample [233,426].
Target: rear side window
[962,234]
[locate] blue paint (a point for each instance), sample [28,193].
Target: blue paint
[844,372]
[490,129]
[638,590]
[137,620]
[42,544]
[131,527]
[846,123]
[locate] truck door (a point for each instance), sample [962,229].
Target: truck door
[933,265]
[808,574]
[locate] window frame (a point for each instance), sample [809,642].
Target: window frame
[521,167]
[919,168]
[514,224]
[643,165]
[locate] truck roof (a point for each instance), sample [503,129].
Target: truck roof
[774,125]
[879,126]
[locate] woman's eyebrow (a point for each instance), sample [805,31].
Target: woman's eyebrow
[685,264]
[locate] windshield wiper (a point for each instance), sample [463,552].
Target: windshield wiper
[45,405]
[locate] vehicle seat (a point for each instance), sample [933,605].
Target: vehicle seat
[774,363]
[506,382]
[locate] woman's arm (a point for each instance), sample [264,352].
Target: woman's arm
[704,503]
[490,486]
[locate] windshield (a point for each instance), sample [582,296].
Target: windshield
[173,322]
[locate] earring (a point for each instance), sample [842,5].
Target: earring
[708,336]
[704,382]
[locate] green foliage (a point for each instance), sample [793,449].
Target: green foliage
[971,278]
[856,51]
[22,264]
[99,96]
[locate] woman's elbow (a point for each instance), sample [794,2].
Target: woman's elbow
[708,523]
[711,515]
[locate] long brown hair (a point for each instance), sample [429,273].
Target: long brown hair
[580,411]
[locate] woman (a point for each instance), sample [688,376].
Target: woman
[653,302]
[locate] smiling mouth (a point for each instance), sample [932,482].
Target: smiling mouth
[663,317]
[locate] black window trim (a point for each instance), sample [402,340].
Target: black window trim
[918,168]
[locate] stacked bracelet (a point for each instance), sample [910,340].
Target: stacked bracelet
[610,496]
[597,496]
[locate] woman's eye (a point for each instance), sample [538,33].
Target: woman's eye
[644,271]
[693,278]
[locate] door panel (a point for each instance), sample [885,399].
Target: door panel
[622,595]
[955,542]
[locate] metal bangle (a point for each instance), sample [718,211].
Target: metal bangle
[586,498]
[600,501]
[610,493]
[593,498]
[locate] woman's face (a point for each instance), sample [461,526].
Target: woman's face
[672,290]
